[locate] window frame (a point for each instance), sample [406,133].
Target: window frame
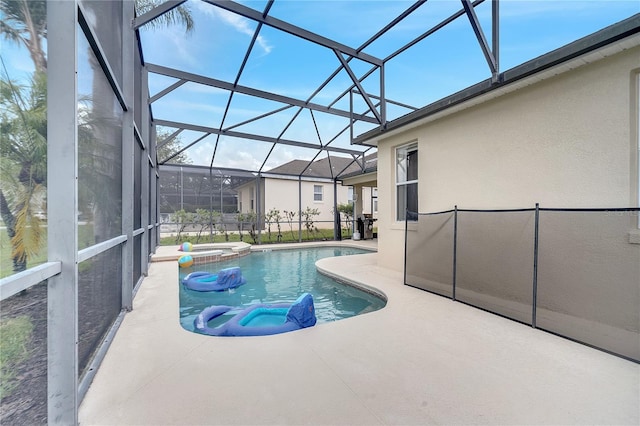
[315,193]
[401,156]
[374,198]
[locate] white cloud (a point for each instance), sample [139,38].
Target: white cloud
[242,25]
[236,159]
[237,22]
[201,153]
[167,45]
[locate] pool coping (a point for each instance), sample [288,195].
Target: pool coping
[238,249]
[215,254]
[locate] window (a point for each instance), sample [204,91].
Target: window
[374,197]
[317,192]
[406,181]
[252,198]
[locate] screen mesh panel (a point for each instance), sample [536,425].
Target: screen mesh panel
[137,258]
[23,321]
[99,301]
[429,260]
[580,278]
[495,262]
[105,18]
[589,279]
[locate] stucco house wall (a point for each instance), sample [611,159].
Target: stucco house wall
[368,200]
[247,195]
[282,194]
[568,141]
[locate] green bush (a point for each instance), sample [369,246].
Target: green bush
[318,234]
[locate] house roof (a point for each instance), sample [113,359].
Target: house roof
[329,167]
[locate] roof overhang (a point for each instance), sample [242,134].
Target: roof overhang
[364,179]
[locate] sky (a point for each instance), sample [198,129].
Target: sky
[447,61]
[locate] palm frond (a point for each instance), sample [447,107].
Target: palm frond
[24,124]
[10,33]
[181,15]
[29,234]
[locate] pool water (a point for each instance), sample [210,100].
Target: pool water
[280,276]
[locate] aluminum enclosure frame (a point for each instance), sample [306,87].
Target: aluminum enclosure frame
[376,111]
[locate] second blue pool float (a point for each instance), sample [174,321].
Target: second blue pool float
[206,281]
[261,319]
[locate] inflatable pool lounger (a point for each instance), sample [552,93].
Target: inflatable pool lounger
[206,281]
[259,320]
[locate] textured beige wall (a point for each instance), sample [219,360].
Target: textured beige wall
[569,141]
[283,195]
[366,198]
[244,197]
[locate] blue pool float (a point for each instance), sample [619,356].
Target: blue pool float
[206,281]
[260,319]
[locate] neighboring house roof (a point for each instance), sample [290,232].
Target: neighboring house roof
[293,167]
[371,163]
[327,168]
[370,168]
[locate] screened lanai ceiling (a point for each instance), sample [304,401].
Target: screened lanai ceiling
[257,84]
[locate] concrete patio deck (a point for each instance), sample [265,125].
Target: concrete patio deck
[423,359]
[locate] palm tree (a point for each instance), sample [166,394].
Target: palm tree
[25,22]
[23,122]
[181,15]
[23,150]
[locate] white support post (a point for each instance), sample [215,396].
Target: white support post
[144,172]
[129,143]
[299,209]
[153,202]
[153,189]
[62,187]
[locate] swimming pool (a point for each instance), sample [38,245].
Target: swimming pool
[280,276]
